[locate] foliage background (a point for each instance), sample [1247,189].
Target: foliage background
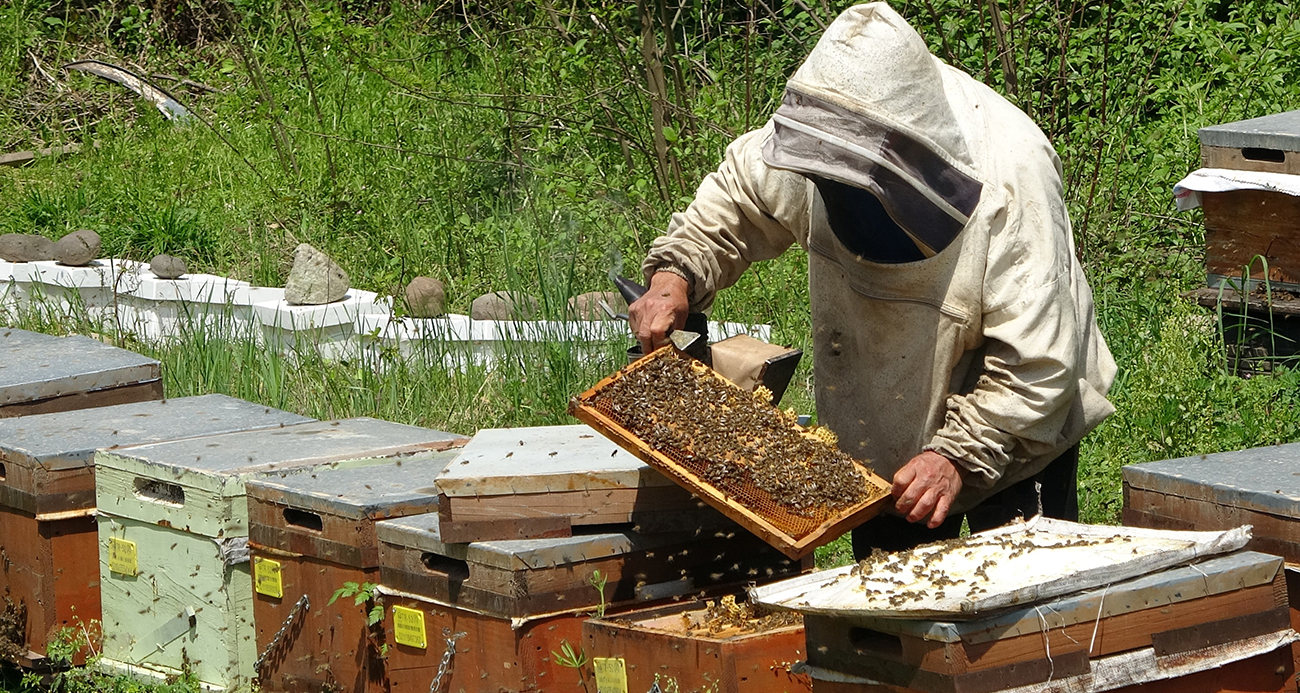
[535,145]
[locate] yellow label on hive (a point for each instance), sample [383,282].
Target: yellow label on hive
[611,674]
[266,577]
[408,627]
[122,557]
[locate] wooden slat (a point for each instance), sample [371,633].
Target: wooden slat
[138,392]
[1269,533]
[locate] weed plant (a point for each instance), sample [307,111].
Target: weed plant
[535,146]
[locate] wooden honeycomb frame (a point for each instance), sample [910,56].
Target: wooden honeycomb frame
[586,408]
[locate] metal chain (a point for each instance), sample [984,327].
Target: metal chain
[444,667]
[303,604]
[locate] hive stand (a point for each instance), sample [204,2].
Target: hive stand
[41,374]
[47,498]
[309,534]
[527,483]
[173,527]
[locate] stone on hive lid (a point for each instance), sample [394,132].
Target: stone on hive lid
[167,267]
[315,279]
[426,297]
[503,305]
[25,247]
[77,249]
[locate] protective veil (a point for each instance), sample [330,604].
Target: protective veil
[985,348]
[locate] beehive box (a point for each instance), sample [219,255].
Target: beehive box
[1170,624]
[1211,492]
[40,374]
[329,330]
[517,601]
[173,527]
[309,534]
[154,308]
[698,646]
[537,482]
[1243,224]
[712,438]
[53,291]
[47,498]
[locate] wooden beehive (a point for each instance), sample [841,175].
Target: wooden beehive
[795,534]
[1168,624]
[1242,226]
[538,482]
[40,374]
[47,497]
[308,535]
[1257,487]
[516,601]
[173,525]
[666,643]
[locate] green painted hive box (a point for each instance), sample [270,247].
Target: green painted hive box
[173,539]
[47,502]
[309,534]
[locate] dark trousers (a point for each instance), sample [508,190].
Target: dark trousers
[1059,484]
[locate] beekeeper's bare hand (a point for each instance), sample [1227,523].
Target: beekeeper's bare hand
[926,487]
[662,309]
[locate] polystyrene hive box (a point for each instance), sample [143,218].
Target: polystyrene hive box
[173,528]
[156,308]
[330,330]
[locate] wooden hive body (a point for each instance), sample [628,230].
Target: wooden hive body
[530,483]
[1244,225]
[40,374]
[316,531]
[185,503]
[517,600]
[653,644]
[1165,616]
[1228,489]
[47,495]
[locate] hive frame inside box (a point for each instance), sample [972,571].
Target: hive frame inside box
[652,645]
[581,407]
[210,528]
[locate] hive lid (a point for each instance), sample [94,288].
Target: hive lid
[401,487]
[1278,131]
[1021,563]
[1261,479]
[543,459]
[420,532]
[221,463]
[67,440]
[37,366]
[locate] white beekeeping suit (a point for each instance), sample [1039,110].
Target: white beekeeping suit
[960,323]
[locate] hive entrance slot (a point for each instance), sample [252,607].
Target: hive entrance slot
[875,642]
[162,492]
[1275,156]
[304,519]
[454,569]
[2,471]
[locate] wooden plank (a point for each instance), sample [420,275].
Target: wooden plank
[26,157]
[1219,632]
[1269,533]
[1243,224]
[583,407]
[745,663]
[330,647]
[44,568]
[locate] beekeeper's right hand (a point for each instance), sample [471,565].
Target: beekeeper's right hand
[662,309]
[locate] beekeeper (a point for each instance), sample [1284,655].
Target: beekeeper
[955,345]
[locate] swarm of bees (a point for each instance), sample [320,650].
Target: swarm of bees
[734,439]
[744,617]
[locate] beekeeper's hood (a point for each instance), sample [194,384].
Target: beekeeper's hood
[868,109]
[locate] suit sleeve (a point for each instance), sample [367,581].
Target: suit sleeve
[743,213]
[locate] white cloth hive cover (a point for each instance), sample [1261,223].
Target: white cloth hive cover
[1187,192]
